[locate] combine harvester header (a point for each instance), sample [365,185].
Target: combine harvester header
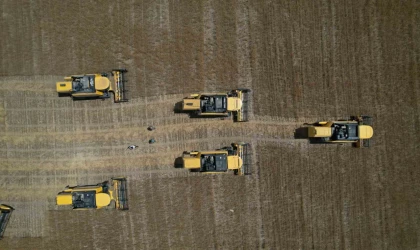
[5,213]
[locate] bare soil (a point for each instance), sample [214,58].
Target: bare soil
[305,61]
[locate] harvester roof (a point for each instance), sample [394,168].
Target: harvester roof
[84,199]
[101,83]
[365,132]
[84,83]
[234,104]
[102,200]
[213,163]
[213,103]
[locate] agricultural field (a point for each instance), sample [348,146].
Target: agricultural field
[305,61]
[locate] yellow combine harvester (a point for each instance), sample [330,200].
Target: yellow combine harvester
[358,130]
[219,104]
[94,86]
[219,161]
[96,196]
[5,213]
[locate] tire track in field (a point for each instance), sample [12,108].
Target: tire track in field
[166,122]
[130,104]
[89,150]
[169,139]
[154,155]
[80,143]
[42,192]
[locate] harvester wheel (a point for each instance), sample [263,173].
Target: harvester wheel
[121,70]
[244,90]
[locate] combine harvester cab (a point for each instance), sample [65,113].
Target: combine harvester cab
[96,196]
[357,130]
[5,213]
[94,86]
[234,158]
[218,105]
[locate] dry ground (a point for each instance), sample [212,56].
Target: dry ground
[304,60]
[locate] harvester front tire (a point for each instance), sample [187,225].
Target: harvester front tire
[121,70]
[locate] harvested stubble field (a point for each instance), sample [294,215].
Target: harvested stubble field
[304,61]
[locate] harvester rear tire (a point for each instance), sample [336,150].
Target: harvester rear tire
[122,70]
[244,90]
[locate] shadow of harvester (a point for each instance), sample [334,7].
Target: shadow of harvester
[178,107]
[301,133]
[178,163]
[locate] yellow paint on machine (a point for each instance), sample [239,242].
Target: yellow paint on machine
[191,104]
[102,200]
[191,162]
[64,87]
[234,104]
[102,83]
[94,94]
[319,131]
[6,208]
[64,199]
[365,132]
[234,162]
